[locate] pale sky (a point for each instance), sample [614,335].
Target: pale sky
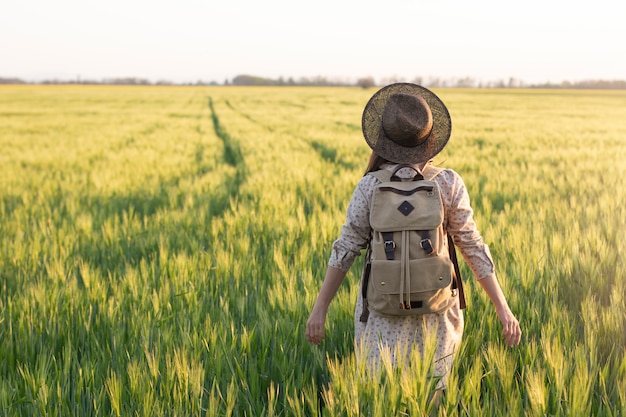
[190,40]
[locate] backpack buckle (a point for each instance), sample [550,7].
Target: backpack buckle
[427,245]
[390,247]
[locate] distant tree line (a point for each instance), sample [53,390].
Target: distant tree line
[588,84]
[432,82]
[251,80]
[106,81]
[364,82]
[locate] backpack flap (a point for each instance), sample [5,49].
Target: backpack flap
[414,205]
[406,206]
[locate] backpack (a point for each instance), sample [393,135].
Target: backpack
[411,265]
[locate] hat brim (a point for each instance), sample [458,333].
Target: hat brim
[377,140]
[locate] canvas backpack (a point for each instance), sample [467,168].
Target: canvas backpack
[411,266]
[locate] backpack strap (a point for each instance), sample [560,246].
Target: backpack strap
[382,175]
[365,278]
[431,171]
[457,271]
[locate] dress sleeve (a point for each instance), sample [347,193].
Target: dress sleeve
[461,225]
[356,231]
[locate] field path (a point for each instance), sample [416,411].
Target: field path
[233,156]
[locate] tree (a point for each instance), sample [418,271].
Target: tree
[366,82]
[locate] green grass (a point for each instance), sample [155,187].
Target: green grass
[161,247]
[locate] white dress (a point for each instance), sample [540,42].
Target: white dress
[404,333]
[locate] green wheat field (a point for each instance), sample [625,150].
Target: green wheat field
[161,248]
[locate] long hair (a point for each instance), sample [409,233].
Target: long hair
[375,163]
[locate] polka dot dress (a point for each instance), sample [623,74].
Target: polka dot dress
[393,336]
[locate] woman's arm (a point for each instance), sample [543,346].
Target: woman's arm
[353,238]
[469,241]
[317,319]
[511,331]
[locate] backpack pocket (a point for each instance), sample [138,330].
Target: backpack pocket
[429,288]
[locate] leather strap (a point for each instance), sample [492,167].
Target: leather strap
[426,243]
[458,282]
[390,245]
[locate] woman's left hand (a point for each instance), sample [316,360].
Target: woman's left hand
[315,327]
[511,331]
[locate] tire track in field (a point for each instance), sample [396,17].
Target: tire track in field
[233,156]
[232,151]
[128,247]
[325,151]
[248,117]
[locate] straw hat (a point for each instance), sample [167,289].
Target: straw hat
[406,123]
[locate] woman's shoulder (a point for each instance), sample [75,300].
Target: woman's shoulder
[449,179]
[432,170]
[367,181]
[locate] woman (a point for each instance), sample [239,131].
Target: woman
[408,124]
